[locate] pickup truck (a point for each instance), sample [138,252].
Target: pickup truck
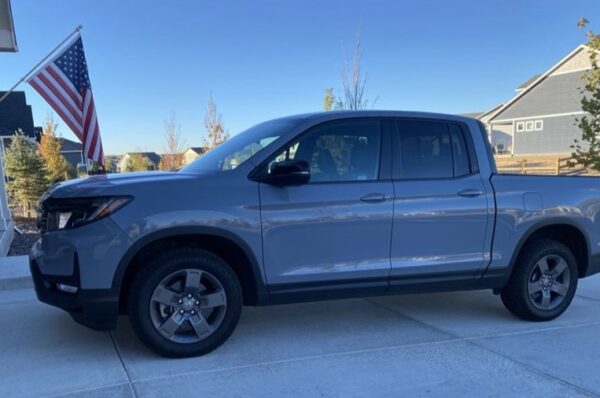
[312,207]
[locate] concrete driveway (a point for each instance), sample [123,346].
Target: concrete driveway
[436,345]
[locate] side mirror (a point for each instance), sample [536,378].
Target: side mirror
[288,172]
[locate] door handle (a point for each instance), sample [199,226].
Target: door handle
[470,193]
[374,198]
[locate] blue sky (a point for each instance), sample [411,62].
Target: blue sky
[264,59]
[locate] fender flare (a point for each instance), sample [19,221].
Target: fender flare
[554,221]
[139,244]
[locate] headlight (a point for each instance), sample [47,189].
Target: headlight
[74,212]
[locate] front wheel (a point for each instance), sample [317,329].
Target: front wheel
[186,302]
[543,282]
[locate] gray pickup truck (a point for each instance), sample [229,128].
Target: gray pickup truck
[312,207]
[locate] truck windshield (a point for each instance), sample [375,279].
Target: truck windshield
[241,147]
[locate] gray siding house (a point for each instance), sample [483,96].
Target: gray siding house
[541,117]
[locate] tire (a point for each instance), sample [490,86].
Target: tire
[185,302]
[537,292]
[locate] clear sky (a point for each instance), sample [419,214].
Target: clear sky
[264,59]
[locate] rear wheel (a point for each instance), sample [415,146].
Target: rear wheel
[186,302]
[543,282]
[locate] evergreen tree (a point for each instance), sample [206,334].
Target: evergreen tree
[26,173]
[587,149]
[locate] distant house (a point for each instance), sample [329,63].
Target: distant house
[192,153]
[112,162]
[72,152]
[153,159]
[541,117]
[15,115]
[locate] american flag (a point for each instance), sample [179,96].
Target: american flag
[65,84]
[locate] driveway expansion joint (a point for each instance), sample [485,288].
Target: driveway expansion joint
[129,382]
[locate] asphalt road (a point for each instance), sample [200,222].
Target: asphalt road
[451,344]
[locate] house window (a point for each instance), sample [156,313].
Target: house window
[529,125]
[520,126]
[539,125]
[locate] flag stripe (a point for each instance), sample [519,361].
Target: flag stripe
[88,124]
[49,97]
[62,80]
[58,92]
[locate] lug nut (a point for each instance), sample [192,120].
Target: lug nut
[180,301]
[181,311]
[192,312]
[189,296]
[197,302]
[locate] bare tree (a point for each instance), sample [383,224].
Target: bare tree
[354,84]
[213,122]
[175,145]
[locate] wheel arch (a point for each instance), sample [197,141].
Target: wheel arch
[564,231]
[221,242]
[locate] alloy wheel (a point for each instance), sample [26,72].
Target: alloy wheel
[188,305]
[549,282]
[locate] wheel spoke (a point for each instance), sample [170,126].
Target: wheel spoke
[543,265]
[545,299]
[201,327]
[164,296]
[192,279]
[172,324]
[559,288]
[559,269]
[534,287]
[212,300]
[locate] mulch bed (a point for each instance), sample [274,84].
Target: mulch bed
[22,243]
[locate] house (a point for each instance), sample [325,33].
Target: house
[15,114]
[152,157]
[192,153]
[541,117]
[111,162]
[72,152]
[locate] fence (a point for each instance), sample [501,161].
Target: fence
[545,165]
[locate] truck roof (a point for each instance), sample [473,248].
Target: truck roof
[332,115]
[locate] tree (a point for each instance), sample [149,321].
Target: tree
[57,168]
[354,84]
[138,162]
[587,149]
[328,99]
[213,122]
[175,145]
[109,166]
[26,172]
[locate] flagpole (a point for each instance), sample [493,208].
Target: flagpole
[77,30]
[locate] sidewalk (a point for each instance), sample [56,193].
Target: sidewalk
[447,344]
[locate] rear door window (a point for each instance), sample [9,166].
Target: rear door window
[427,149]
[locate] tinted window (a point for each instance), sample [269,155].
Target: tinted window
[341,151]
[425,150]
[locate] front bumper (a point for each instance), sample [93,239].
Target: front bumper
[85,259]
[94,308]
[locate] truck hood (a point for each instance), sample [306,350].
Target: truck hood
[114,183]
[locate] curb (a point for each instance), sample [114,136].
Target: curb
[14,273]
